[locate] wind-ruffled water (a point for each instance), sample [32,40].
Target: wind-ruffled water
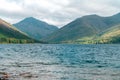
[60,61]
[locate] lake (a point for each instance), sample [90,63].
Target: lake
[60,61]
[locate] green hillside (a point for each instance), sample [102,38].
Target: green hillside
[9,34]
[109,36]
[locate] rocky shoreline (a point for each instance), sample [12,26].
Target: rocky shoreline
[8,76]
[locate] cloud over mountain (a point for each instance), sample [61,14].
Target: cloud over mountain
[56,12]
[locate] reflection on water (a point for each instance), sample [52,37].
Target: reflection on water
[60,62]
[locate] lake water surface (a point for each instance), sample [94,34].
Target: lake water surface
[60,61]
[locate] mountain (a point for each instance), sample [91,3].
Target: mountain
[84,27]
[35,28]
[9,34]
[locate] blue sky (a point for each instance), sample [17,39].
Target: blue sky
[56,12]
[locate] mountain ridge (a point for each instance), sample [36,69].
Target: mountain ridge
[86,26]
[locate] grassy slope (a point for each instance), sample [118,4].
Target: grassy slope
[9,34]
[10,31]
[111,35]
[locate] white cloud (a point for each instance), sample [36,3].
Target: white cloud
[56,12]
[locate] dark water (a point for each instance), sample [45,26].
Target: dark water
[61,62]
